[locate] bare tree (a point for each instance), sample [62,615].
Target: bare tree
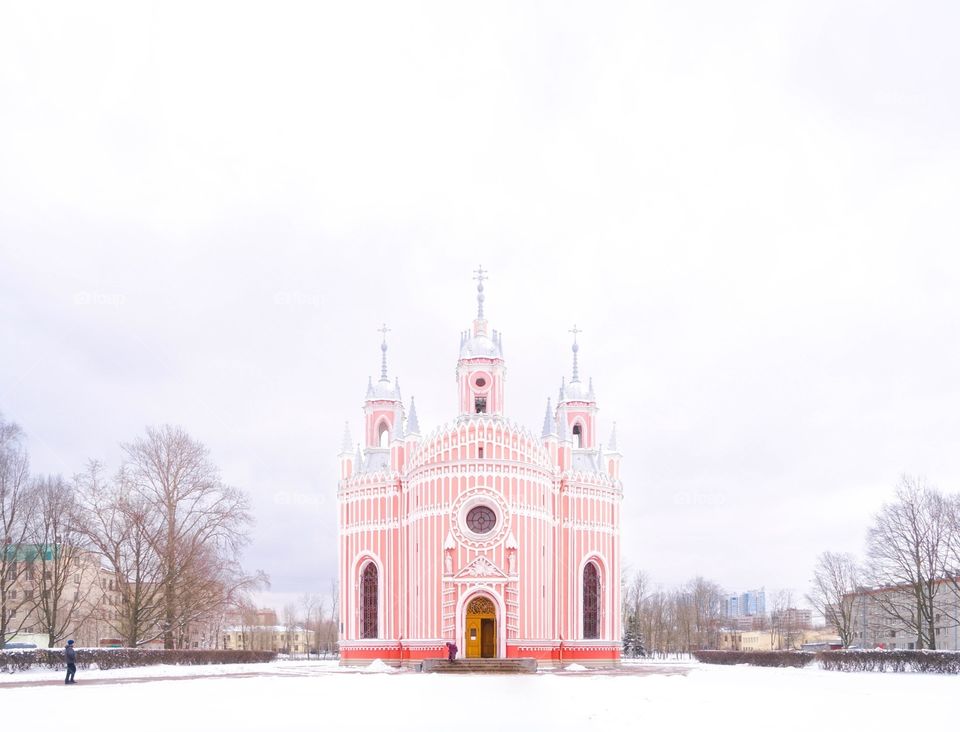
[291,622]
[329,627]
[123,529]
[836,579]
[785,627]
[66,580]
[312,607]
[705,603]
[906,549]
[16,558]
[173,474]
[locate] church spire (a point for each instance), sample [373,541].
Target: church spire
[383,348]
[347,441]
[480,275]
[575,348]
[612,445]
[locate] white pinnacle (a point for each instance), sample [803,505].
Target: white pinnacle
[413,425]
[548,423]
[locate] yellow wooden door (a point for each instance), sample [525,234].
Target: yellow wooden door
[488,638]
[473,637]
[481,629]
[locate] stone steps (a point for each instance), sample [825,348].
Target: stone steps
[480,666]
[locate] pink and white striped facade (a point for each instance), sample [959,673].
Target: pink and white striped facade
[410,562]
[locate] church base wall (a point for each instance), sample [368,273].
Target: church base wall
[548,653]
[393,653]
[557,654]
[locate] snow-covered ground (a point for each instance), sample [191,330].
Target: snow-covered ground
[312,696]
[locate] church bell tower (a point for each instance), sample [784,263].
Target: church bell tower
[480,369]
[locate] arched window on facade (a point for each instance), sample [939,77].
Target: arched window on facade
[383,436]
[368,601]
[591,601]
[577,435]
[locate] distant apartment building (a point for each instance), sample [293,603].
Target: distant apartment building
[88,598]
[792,617]
[877,627]
[752,603]
[46,576]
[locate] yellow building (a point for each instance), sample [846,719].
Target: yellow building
[277,638]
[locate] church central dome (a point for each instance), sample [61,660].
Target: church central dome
[480,345]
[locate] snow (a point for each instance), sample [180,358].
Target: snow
[576,667]
[317,695]
[378,667]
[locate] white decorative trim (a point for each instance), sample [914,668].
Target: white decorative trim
[481,567]
[479,496]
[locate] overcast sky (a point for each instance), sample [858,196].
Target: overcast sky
[750,209]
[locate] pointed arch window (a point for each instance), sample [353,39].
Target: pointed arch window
[368,601]
[383,435]
[577,435]
[591,601]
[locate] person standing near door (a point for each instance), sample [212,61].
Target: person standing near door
[71,655]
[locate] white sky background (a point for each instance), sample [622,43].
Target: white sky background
[206,211]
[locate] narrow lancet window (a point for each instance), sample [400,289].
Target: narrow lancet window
[368,602]
[591,601]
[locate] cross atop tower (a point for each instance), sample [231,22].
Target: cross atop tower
[383,348]
[480,275]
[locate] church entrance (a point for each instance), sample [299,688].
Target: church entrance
[481,628]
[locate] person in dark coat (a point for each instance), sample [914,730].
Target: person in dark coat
[451,651]
[71,655]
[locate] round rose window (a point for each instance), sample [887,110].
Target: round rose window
[481,519]
[481,381]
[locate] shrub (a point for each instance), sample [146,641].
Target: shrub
[879,660]
[106,658]
[794,659]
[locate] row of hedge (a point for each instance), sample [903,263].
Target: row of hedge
[926,662]
[877,660]
[780,659]
[106,658]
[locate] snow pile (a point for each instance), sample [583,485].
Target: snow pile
[576,667]
[378,667]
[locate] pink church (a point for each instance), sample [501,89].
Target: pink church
[479,532]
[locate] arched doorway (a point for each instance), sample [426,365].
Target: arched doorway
[481,628]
